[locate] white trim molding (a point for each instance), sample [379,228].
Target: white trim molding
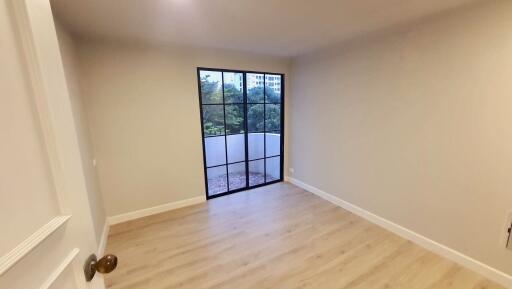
[19,252]
[154,210]
[449,253]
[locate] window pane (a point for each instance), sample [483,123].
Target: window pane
[215,151]
[272,144]
[256,148]
[272,88]
[273,168]
[236,148]
[233,87]
[256,172]
[255,117]
[211,86]
[272,117]
[254,88]
[236,176]
[213,120]
[234,118]
[217,180]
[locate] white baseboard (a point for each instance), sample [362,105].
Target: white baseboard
[154,210]
[459,258]
[102,246]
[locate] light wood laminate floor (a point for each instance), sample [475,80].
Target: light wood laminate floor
[278,236]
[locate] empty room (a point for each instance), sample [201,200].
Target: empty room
[291,144]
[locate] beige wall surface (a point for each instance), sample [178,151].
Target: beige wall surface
[415,126]
[69,60]
[143,109]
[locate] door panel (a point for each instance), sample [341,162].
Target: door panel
[272,117]
[235,118]
[214,155]
[54,233]
[273,168]
[273,87]
[256,172]
[256,146]
[217,180]
[36,267]
[22,149]
[233,87]
[64,279]
[211,87]
[272,144]
[255,88]
[236,148]
[237,176]
[214,118]
[255,117]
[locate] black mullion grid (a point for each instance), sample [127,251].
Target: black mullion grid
[245,189]
[281,131]
[259,159]
[225,133]
[239,162]
[236,71]
[216,166]
[241,103]
[264,128]
[270,131]
[228,134]
[202,131]
[246,130]
[281,100]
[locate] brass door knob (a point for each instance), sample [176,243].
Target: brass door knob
[104,265]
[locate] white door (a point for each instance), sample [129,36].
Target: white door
[46,228]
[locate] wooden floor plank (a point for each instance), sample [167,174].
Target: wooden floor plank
[278,236]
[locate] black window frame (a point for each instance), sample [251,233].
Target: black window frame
[246,131]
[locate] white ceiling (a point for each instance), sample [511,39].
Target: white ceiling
[276,27]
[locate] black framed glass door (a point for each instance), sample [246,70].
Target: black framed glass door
[242,121]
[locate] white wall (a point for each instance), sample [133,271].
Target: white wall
[143,109]
[415,126]
[68,51]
